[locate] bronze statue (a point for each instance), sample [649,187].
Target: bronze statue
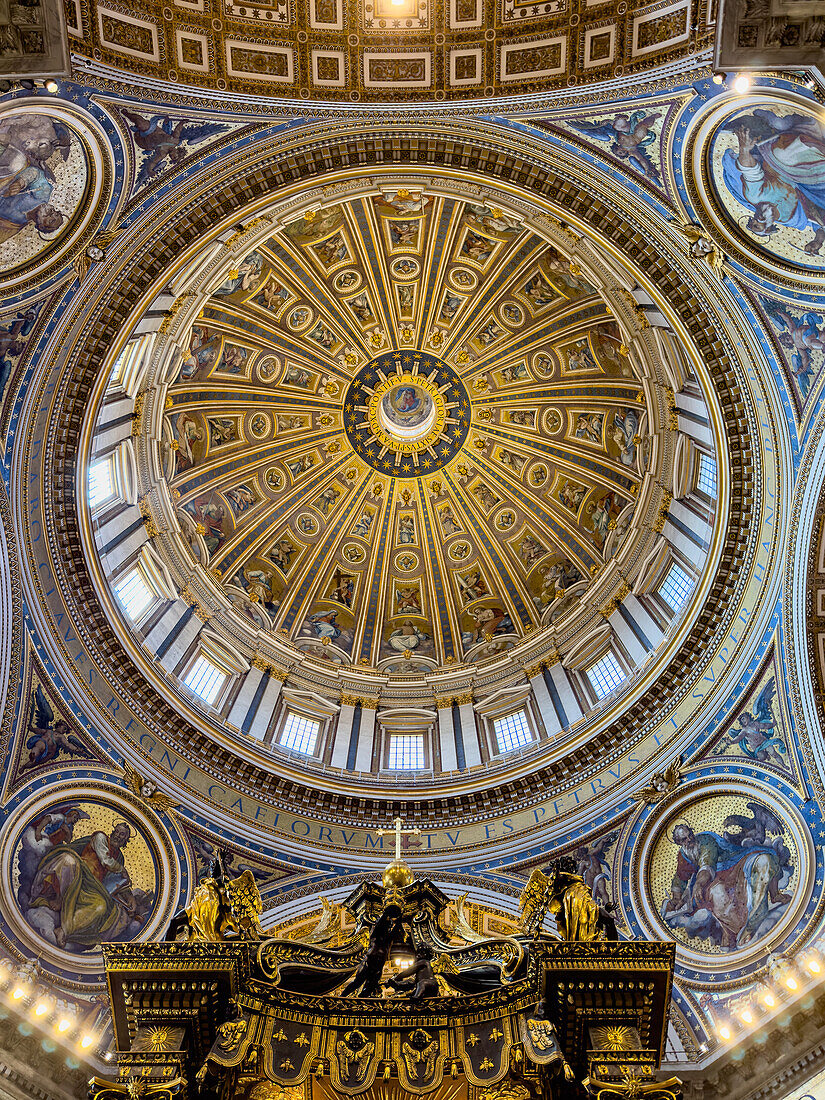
[418,980]
[565,894]
[384,935]
[221,908]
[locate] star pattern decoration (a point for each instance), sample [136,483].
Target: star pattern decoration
[372,450]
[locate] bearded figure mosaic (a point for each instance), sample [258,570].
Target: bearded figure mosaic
[725,872]
[84,874]
[43,178]
[768,171]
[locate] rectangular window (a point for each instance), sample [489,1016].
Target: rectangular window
[135,594]
[205,679]
[512,732]
[676,587]
[101,482]
[117,369]
[707,475]
[606,674]
[406,751]
[300,734]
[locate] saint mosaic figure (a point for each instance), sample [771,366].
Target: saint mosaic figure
[778,173]
[77,892]
[729,887]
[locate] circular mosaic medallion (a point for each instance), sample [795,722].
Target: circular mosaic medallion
[725,871]
[405,268]
[407,413]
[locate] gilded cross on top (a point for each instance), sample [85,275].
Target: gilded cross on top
[399,832]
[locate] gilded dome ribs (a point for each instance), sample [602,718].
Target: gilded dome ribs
[558,527]
[448,643]
[381,582]
[377,588]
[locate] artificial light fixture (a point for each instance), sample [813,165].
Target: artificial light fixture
[724,1032]
[718,78]
[741,84]
[41,1008]
[791,982]
[18,992]
[52,86]
[64,1023]
[87,1041]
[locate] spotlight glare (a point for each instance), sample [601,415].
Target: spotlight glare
[18,992]
[87,1041]
[769,999]
[64,1023]
[814,966]
[741,84]
[791,982]
[41,1009]
[724,1032]
[52,86]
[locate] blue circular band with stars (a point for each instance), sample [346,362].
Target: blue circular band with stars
[406,413]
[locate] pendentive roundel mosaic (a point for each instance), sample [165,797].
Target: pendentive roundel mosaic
[45,181]
[84,873]
[725,871]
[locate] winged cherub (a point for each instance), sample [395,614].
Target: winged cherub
[661,783]
[146,790]
[629,136]
[49,737]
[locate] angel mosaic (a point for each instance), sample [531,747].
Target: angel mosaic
[593,866]
[363,525]
[556,578]
[477,248]
[260,585]
[233,359]
[12,344]
[244,276]
[471,586]
[163,139]
[631,137]
[757,733]
[623,436]
[580,357]
[211,515]
[487,621]
[222,430]
[49,739]
[204,348]
[272,296]
[188,433]
[409,638]
[604,510]
[589,426]
[241,498]
[802,334]
[331,251]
